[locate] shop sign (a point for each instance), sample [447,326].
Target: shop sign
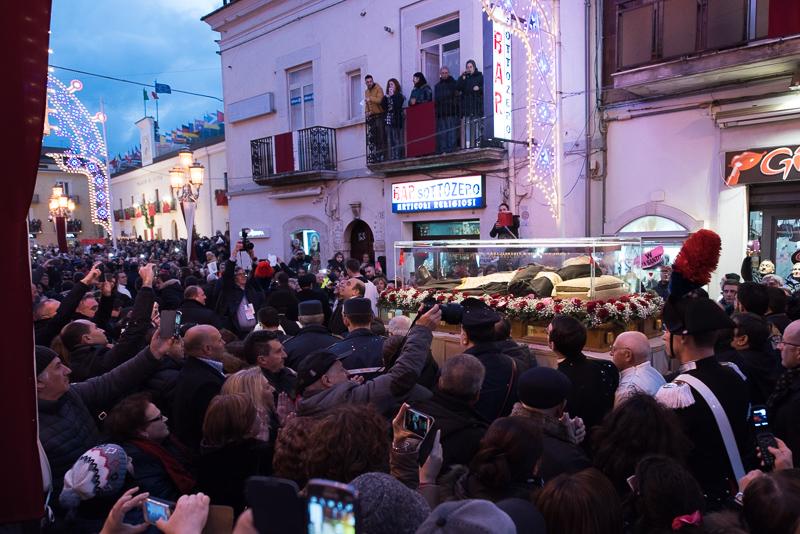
[760,165]
[465,192]
[502,95]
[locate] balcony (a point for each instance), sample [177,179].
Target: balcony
[306,155]
[428,136]
[671,47]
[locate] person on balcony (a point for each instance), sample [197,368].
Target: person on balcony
[446,112]
[422,92]
[374,110]
[393,104]
[470,85]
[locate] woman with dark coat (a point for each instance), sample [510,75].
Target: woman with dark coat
[159,463]
[231,451]
[422,92]
[393,104]
[470,85]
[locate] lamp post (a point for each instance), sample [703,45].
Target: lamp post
[186,179]
[61,207]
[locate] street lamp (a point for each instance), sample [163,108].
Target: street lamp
[61,208]
[185,180]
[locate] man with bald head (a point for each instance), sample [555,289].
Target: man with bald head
[199,381]
[784,403]
[631,355]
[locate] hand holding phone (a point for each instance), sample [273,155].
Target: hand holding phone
[764,438]
[332,507]
[417,422]
[170,324]
[155,509]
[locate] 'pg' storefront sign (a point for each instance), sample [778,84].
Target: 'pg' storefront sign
[759,165]
[464,192]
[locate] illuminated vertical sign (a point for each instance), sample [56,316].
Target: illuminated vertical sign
[502,92]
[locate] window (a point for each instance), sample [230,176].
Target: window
[440,46]
[355,95]
[64,187]
[652,223]
[301,97]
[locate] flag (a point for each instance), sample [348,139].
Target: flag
[198,125]
[208,118]
[155,95]
[220,116]
[163,88]
[144,94]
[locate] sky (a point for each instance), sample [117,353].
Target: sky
[142,41]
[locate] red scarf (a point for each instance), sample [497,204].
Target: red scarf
[182,479]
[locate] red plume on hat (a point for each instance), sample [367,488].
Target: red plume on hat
[695,262]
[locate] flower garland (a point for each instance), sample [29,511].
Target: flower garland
[592,313]
[149,219]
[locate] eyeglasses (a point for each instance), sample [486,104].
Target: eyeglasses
[782,342]
[159,417]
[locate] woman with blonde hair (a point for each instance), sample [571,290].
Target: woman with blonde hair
[253,384]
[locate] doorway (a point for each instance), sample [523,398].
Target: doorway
[361,240]
[774,223]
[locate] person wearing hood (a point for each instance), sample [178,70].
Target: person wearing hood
[421,92]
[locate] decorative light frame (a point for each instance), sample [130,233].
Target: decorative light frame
[87,152]
[535,24]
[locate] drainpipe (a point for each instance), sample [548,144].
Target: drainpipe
[587,104]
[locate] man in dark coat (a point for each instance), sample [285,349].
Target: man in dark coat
[67,411]
[309,291]
[452,408]
[752,354]
[313,336]
[360,348]
[199,381]
[283,298]
[543,396]
[446,101]
[784,403]
[499,388]
[50,315]
[594,382]
[89,351]
[240,297]
[193,308]
[347,289]
[692,323]
[519,351]
[263,349]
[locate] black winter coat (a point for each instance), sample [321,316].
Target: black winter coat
[170,295]
[197,384]
[222,473]
[230,296]
[87,361]
[307,340]
[594,383]
[336,324]
[471,100]
[499,389]
[785,417]
[47,329]
[195,313]
[446,98]
[284,299]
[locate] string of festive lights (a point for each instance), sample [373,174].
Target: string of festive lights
[532,23]
[87,152]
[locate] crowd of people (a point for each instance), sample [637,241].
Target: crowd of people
[458,108]
[270,370]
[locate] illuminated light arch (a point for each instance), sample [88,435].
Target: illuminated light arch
[87,152]
[535,24]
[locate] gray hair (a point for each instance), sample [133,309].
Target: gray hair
[399,325]
[462,376]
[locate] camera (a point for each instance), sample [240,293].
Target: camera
[451,312]
[246,245]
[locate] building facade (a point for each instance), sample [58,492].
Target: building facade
[305,164]
[41,230]
[143,201]
[696,96]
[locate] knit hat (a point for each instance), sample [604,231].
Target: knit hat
[388,506]
[472,516]
[99,472]
[44,356]
[543,387]
[264,270]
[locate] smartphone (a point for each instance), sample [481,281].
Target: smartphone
[332,507]
[276,504]
[170,324]
[764,438]
[417,422]
[155,509]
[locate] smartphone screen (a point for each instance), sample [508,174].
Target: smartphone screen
[170,323]
[331,508]
[155,509]
[759,418]
[417,422]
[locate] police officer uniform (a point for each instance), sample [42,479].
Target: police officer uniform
[709,460]
[360,348]
[310,338]
[499,389]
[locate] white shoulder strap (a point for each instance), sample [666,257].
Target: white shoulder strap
[722,422]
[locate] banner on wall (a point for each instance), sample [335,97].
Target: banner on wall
[761,165]
[464,192]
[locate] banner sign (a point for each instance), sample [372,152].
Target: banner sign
[761,165]
[465,192]
[502,95]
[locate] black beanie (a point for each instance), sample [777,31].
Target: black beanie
[44,356]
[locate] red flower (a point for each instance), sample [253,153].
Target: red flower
[602,314]
[392,297]
[576,302]
[441,298]
[620,306]
[611,301]
[624,298]
[539,306]
[591,306]
[519,305]
[557,308]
